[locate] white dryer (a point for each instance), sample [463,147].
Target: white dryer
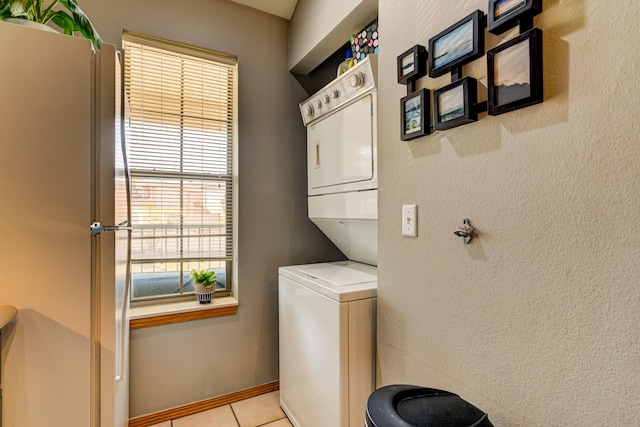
[327,311]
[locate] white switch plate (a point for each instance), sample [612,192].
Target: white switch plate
[410,220]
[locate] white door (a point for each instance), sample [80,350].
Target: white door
[340,148]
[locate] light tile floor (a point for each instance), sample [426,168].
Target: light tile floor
[259,411]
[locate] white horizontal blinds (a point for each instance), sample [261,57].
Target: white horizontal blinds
[181,141]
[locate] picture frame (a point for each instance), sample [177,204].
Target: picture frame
[514,73]
[412,64]
[457,45]
[505,14]
[455,104]
[414,115]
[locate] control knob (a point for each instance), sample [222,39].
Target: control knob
[319,104]
[309,110]
[356,80]
[326,99]
[335,94]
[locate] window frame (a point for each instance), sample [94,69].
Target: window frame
[232,264]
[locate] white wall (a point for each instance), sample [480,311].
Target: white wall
[537,320]
[177,364]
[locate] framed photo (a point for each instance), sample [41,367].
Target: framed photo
[455,104]
[414,115]
[514,73]
[460,43]
[505,14]
[412,64]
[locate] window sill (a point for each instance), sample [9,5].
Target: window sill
[183,311]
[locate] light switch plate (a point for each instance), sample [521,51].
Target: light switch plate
[410,220]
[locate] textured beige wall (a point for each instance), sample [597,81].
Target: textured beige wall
[537,321]
[178,364]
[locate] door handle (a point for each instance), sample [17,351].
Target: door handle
[97,228]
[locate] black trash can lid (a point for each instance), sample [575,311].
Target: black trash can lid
[413,406]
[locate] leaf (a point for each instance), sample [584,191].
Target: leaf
[64,21]
[29,9]
[203,277]
[22,9]
[5,10]
[82,22]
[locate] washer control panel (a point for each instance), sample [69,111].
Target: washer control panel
[352,84]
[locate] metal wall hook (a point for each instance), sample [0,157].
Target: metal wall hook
[465,231]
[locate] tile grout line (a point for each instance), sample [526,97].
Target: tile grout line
[234,415]
[272,421]
[233,412]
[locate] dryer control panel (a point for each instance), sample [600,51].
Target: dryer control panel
[351,85]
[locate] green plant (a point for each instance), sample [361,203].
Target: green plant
[33,10]
[203,277]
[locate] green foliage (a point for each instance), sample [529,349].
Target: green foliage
[32,10]
[203,277]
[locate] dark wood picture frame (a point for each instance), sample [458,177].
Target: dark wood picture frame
[412,64]
[517,62]
[457,45]
[414,117]
[455,104]
[505,14]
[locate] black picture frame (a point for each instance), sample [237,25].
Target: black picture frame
[517,62]
[505,14]
[455,104]
[414,115]
[412,64]
[457,45]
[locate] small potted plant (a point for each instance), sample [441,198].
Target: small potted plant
[204,282]
[18,11]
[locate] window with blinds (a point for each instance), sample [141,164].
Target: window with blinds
[181,133]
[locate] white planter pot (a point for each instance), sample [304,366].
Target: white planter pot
[31,24]
[204,294]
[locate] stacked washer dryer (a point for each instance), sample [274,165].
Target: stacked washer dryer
[327,311]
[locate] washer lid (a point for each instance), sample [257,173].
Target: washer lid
[341,281]
[337,274]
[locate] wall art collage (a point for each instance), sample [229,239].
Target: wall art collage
[514,69]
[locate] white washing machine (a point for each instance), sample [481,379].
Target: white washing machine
[327,318]
[327,311]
